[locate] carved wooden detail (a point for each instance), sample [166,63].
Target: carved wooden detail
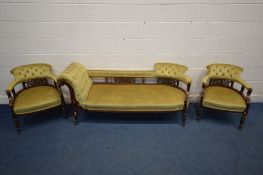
[168,81]
[220,82]
[35,82]
[124,80]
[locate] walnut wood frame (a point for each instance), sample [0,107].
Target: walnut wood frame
[127,80]
[227,84]
[30,84]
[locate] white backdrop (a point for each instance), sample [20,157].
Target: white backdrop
[133,34]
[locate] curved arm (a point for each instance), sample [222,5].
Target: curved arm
[205,79]
[63,82]
[185,79]
[15,82]
[53,77]
[239,80]
[10,92]
[12,85]
[244,83]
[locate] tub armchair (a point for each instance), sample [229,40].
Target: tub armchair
[34,89]
[224,89]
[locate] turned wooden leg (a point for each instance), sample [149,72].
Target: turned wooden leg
[184,117]
[16,123]
[199,113]
[63,106]
[242,120]
[75,116]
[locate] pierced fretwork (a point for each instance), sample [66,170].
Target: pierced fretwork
[35,82]
[221,82]
[168,81]
[124,80]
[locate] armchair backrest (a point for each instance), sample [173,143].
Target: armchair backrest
[76,75]
[224,71]
[32,71]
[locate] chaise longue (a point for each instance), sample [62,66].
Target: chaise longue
[164,89]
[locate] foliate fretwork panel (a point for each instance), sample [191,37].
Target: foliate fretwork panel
[221,82]
[168,81]
[124,80]
[35,82]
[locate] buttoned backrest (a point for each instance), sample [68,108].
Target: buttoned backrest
[224,71]
[76,74]
[32,71]
[171,70]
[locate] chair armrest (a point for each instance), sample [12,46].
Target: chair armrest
[52,76]
[10,91]
[205,79]
[244,83]
[78,80]
[185,78]
[12,85]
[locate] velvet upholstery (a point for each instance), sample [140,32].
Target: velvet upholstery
[134,97]
[34,89]
[223,98]
[220,97]
[29,72]
[170,70]
[225,71]
[127,97]
[76,74]
[36,99]
[219,90]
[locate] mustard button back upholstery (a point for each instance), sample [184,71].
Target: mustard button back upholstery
[76,74]
[223,98]
[170,70]
[225,71]
[134,97]
[36,99]
[32,71]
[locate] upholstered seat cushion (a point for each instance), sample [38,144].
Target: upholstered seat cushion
[223,98]
[36,99]
[132,97]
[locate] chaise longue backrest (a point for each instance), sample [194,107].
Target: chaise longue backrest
[171,70]
[76,74]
